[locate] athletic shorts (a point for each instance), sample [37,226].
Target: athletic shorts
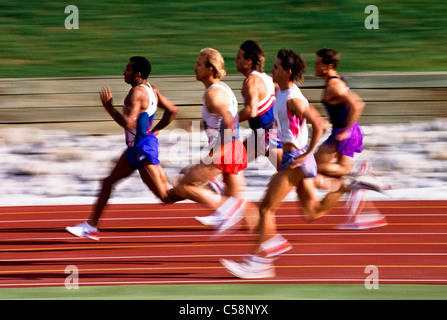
[349,146]
[232,158]
[145,150]
[309,167]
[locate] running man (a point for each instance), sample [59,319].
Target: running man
[298,168]
[344,108]
[335,157]
[227,154]
[136,118]
[258,93]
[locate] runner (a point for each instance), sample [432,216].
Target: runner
[227,154]
[136,118]
[298,169]
[258,93]
[335,157]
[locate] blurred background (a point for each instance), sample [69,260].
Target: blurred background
[35,43]
[57,142]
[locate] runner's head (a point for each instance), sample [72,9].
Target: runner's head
[329,57]
[214,60]
[250,51]
[141,65]
[290,60]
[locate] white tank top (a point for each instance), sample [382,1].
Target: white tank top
[213,122]
[291,128]
[264,104]
[151,109]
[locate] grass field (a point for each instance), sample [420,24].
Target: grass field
[232,292]
[35,42]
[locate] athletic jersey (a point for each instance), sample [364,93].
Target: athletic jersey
[337,113]
[264,115]
[213,123]
[144,120]
[291,129]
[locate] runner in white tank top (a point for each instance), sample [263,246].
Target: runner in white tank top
[227,154]
[292,128]
[292,113]
[213,122]
[258,94]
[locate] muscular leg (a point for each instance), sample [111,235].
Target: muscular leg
[279,187]
[121,171]
[313,208]
[324,158]
[190,186]
[155,178]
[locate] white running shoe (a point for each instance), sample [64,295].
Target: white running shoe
[213,220]
[365,221]
[231,216]
[84,230]
[275,246]
[252,268]
[219,216]
[366,182]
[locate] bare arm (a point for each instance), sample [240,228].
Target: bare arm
[251,98]
[127,119]
[299,108]
[338,92]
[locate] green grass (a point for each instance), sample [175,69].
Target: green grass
[232,292]
[35,43]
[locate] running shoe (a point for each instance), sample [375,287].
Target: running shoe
[365,221]
[213,220]
[218,217]
[231,216]
[366,182]
[253,268]
[84,230]
[275,246]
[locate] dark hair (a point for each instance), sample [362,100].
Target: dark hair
[253,51]
[142,65]
[290,60]
[330,56]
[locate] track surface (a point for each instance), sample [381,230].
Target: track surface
[157,244]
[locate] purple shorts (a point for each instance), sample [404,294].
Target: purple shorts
[309,167]
[349,146]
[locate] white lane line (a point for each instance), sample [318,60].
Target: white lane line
[207,235]
[221,256]
[291,216]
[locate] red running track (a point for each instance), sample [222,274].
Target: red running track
[158,244]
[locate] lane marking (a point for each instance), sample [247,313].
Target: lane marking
[162,245]
[125,270]
[222,256]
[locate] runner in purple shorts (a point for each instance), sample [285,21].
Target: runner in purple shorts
[335,157]
[344,108]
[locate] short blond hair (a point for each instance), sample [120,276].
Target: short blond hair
[215,60]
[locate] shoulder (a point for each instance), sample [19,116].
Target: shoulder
[337,85]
